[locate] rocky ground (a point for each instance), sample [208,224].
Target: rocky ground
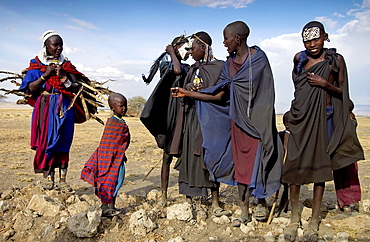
[29,213]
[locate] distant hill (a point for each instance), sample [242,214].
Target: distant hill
[362,109]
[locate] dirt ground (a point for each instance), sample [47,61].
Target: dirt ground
[16,170]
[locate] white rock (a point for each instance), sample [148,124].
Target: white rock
[342,237]
[181,212]
[4,206]
[170,229]
[281,238]
[246,229]
[141,224]
[44,205]
[269,237]
[153,195]
[92,200]
[221,220]
[177,239]
[73,199]
[300,234]
[78,207]
[86,223]
[366,205]
[280,220]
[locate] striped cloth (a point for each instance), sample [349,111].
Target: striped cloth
[102,169]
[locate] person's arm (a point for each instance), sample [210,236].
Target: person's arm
[181,92]
[37,85]
[317,80]
[175,61]
[295,64]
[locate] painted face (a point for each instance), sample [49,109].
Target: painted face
[182,50]
[54,46]
[230,40]
[316,45]
[119,106]
[197,51]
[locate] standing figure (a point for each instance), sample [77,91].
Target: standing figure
[243,131]
[194,178]
[322,135]
[105,170]
[346,182]
[160,111]
[52,81]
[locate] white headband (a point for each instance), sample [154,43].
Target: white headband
[46,35]
[311,33]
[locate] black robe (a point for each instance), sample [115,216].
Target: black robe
[311,158]
[193,176]
[160,111]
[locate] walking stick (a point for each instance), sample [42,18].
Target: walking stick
[273,208]
[152,169]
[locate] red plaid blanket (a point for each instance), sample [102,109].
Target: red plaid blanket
[101,170]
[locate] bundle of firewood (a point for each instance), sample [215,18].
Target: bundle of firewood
[91,94]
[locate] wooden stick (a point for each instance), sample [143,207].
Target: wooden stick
[85,107]
[93,89]
[152,169]
[273,208]
[94,96]
[72,102]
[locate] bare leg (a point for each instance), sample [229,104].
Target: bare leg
[62,179]
[291,230]
[165,172]
[284,201]
[215,198]
[244,195]
[113,204]
[313,226]
[49,185]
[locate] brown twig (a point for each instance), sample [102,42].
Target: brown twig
[152,169]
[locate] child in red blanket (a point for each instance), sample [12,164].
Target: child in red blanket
[105,170]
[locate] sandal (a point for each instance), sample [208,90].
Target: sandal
[218,212]
[64,187]
[236,222]
[49,185]
[110,212]
[290,232]
[260,213]
[310,234]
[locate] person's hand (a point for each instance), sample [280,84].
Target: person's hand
[352,116]
[315,80]
[169,49]
[52,69]
[198,86]
[178,92]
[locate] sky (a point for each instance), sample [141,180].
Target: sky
[120,39]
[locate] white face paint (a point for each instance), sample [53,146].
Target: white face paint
[184,49]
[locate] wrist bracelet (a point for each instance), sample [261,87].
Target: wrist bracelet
[43,78]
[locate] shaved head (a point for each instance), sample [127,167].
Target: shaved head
[239,28]
[114,97]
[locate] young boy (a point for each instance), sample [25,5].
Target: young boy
[322,138]
[105,170]
[160,111]
[252,137]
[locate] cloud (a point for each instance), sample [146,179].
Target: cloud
[67,50]
[328,22]
[350,39]
[218,3]
[9,29]
[338,15]
[83,23]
